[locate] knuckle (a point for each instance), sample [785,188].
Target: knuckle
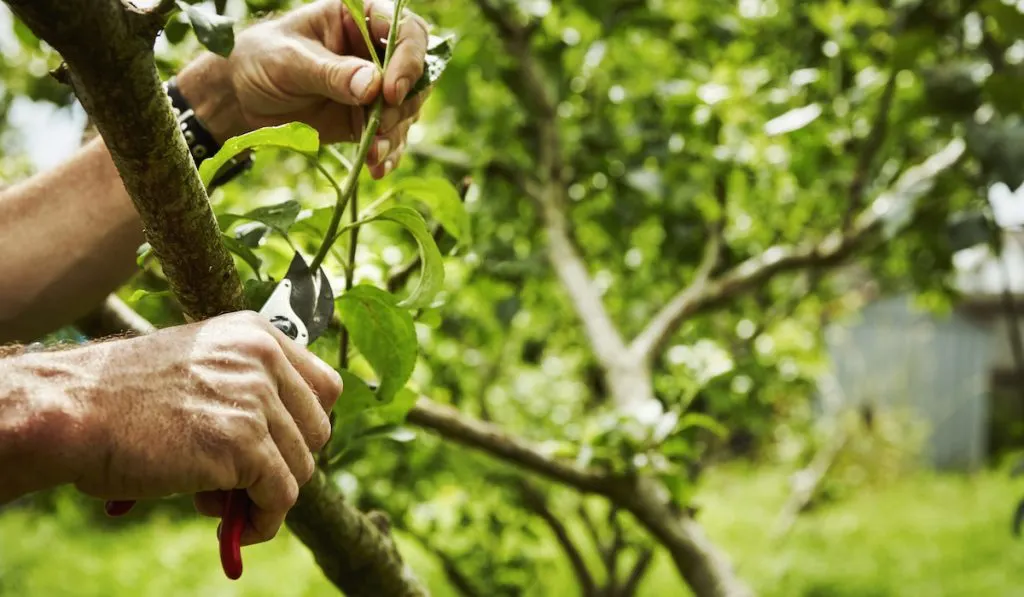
[320,434]
[289,493]
[308,468]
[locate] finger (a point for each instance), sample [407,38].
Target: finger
[406,65]
[298,422]
[392,116]
[303,410]
[272,495]
[321,378]
[390,144]
[345,80]
[210,503]
[390,164]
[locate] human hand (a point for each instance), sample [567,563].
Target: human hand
[313,66]
[227,403]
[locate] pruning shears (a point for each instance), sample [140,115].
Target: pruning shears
[301,306]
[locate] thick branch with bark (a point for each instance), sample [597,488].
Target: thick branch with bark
[107,47]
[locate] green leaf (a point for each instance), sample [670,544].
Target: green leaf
[176,29]
[251,234]
[355,8]
[295,136]
[910,45]
[439,54]
[384,334]
[703,421]
[236,247]
[279,216]
[443,201]
[257,292]
[399,407]
[431,279]
[214,31]
[143,294]
[1008,17]
[356,396]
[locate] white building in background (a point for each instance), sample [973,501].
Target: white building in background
[957,371]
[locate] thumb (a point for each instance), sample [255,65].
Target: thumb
[343,79]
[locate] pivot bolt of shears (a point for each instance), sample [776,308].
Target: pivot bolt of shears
[285,325]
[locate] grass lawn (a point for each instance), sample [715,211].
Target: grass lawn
[929,536]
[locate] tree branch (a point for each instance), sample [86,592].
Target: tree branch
[649,343]
[114,317]
[535,500]
[610,553]
[458,579]
[868,153]
[534,93]
[890,210]
[108,49]
[455,426]
[110,65]
[636,574]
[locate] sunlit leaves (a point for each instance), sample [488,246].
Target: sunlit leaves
[295,136]
[384,333]
[213,30]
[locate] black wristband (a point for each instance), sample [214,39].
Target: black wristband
[201,144]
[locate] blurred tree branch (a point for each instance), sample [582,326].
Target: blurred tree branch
[891,205]
[536,502]
[549,194]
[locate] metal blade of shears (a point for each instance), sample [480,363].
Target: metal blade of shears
[301,306]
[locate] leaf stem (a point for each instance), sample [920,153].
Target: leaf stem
[350,275]
[348,188]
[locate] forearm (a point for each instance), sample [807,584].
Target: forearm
[68,237]
[38,425]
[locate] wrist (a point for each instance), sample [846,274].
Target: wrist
[42,424]
[206,85]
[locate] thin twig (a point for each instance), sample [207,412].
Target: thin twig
[535,500]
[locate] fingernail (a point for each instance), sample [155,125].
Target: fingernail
[383,148]
[388,166]
[401,89]
[361,81]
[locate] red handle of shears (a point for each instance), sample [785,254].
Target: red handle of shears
[229,535]
[236,512]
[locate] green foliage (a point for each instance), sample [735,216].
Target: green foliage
[383,333]
[214,31]
[295,136]
[775,121]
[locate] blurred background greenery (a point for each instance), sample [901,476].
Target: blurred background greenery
[819,467]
